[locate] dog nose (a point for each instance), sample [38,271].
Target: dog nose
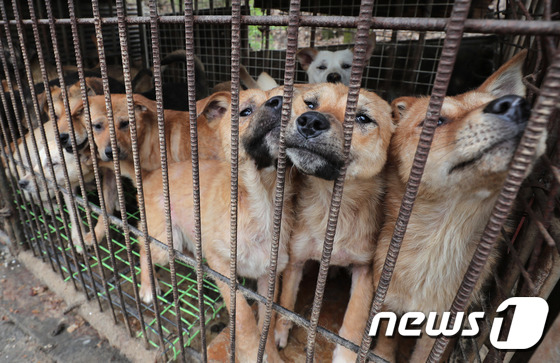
[64,138]
[511,108]
[274,103]
[109,152]
[333,78]
[23,183]
[312,124]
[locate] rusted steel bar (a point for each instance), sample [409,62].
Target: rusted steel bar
[448,55]
[41,127]
[549,98]
[154,28]
[234,183]
[93,151]
[123,37]
[9,154]
[115,153]
[485,26]
[289,77]
[191,87]
[27,167]
[358,65]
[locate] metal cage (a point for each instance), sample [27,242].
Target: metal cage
[423,46]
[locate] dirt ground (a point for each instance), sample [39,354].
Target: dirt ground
[37,326]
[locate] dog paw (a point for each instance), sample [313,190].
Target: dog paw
[343,355]
[88,239]
[282,332]
[146,293]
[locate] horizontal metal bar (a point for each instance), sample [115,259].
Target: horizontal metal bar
[485,26]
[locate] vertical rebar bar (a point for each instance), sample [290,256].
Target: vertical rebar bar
[191,86]
[445,68]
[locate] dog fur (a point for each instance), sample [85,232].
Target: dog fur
[314,143]
[324,66]
[475,140]
[259,133]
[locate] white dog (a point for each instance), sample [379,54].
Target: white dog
[333,67]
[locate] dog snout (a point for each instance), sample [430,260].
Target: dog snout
[312,124]
[109,152]
[511,108]
[65,139]
[275,103]
[23,183]
[334,78]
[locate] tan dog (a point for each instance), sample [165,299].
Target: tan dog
[259,131]
[57,161]
[177,133]
[473,145]
[314,143]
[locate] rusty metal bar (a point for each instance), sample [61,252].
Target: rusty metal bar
[115,153]
[18,122]
[358,65]
[234,182]
[547,101]
[485,26]
[289,77]
[123,37]
[191,87]
[448,55]
[103,213]
[38,114]
[154,28]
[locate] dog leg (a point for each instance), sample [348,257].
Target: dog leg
[386,347]
[109,187]
[291,278]
[246,331]
[357,311]
[75,229]
[160,257]
[422,348]
[271,350]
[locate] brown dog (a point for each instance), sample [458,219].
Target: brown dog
[177,134]
[259,127]
[472,148]
[314,143]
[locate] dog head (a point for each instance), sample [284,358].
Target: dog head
[259,123]
[476,135]
[145,113]
[333,67]
[315,134]
[94,87]
[57,162]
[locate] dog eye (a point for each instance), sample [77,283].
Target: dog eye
[442,121]
[123,124]
[364,119]
[97,127]
[346,66]
[322,67]
[246,112]
[311,105]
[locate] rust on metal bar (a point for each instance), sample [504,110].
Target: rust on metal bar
[484,26]
[447,60]
[538,121]
[234,183]
[191,88]
[358,65]
[154,28]
[289,76]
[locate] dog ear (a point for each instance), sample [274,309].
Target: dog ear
[306,56]
[214,107]
[78,111]
[370,46]
[400,107]
[94,86]
[143,104]
[508,79]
